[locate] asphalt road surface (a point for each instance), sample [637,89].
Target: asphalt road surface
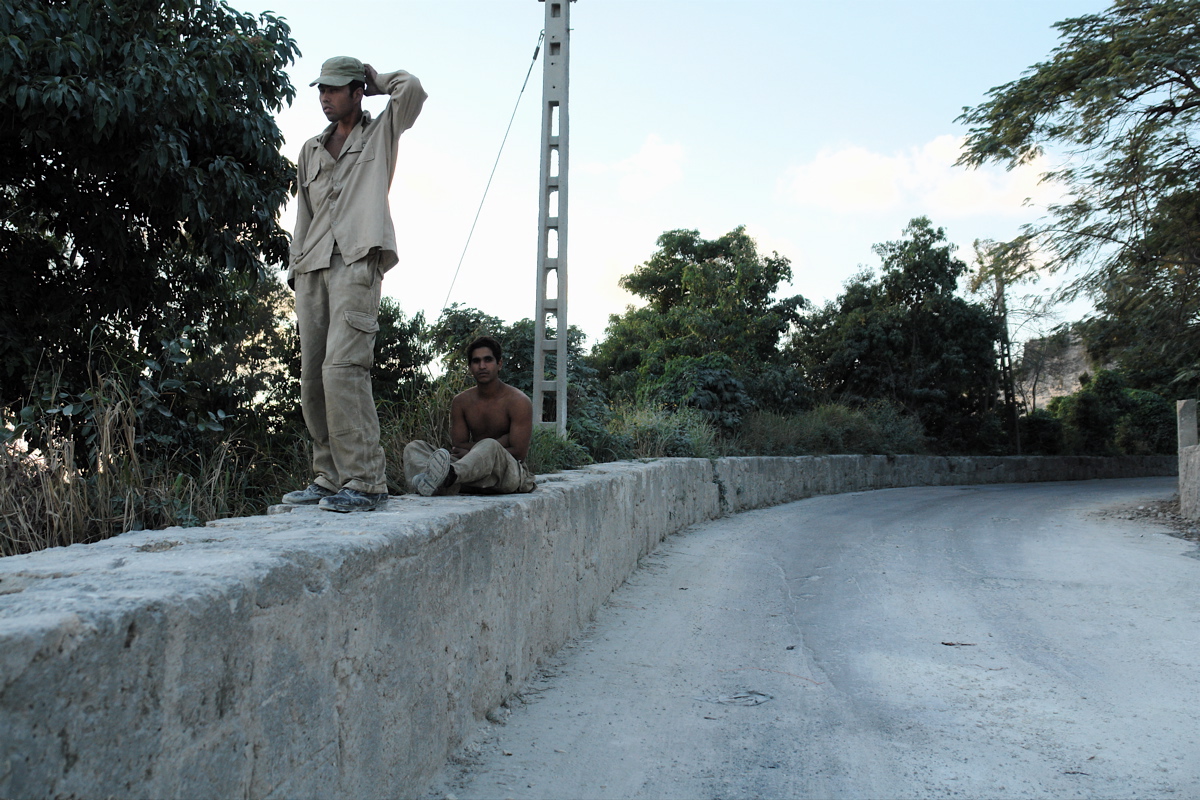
[984,641]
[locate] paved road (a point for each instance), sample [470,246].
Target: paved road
[998,641]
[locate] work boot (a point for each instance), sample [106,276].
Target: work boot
[348,500]
[437,475]
[307,497]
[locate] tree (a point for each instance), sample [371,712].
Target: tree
[1147,319]
[402,352]
[906,338]
[1106,417]
[705,298]
[140,173]
[1120,100]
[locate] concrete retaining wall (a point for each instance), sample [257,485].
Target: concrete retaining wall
[315,654]
[1189,459]
[1189,482]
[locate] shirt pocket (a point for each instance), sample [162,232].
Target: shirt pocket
[365,155]
[313,175]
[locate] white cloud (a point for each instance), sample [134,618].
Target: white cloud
[922,180]
[653,168]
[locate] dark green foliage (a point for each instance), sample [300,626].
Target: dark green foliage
[139,170]
[704,298]
[402,354]
[909,340]
[1041,433]
[706,384]
[1090,415]
[1147,318]
[1148,425]
[1120,96]
[878,428]
[1105,417]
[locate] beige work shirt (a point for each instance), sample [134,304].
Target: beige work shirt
[345,200]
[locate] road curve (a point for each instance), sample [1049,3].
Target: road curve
[984,641]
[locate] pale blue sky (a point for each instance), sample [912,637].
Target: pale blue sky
[821,126]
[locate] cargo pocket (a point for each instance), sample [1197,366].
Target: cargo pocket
[359,349]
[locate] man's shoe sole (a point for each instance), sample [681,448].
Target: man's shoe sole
[429,481]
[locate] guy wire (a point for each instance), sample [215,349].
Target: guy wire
[537,49]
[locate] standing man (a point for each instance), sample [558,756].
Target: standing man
[343,243]
[491,425]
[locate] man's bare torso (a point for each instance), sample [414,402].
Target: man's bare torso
[476,416]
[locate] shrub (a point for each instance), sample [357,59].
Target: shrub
[1041,433]
[1148,427]
[657,433]
[549,452]
[830,428]
[706,384]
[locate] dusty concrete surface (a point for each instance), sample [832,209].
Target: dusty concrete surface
[999,641]
[316,654]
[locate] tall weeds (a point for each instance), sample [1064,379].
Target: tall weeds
[53,495]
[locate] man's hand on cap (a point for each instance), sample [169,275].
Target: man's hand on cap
[371,88]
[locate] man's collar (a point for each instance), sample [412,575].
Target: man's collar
[323,137]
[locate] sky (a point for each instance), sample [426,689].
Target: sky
[823,127]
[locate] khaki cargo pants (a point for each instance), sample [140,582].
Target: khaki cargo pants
[488,468]
[338,314]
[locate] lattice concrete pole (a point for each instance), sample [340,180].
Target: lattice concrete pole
[552,221]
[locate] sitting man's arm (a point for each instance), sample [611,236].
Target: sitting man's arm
[460,433]
[520,431]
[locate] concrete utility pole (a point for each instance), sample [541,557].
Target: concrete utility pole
[552,221]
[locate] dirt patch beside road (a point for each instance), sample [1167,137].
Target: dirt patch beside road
[1162,512]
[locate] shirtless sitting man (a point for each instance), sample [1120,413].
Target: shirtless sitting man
[490,427]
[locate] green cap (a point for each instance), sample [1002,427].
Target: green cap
[340,70]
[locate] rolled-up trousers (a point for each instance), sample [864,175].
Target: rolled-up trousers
[487,468]
[338,314]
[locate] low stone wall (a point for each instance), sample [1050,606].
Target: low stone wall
[320,655]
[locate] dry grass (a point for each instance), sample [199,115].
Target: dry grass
[47,499]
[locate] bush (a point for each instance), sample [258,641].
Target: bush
[1106,418]
[706,384]
[646,432]
[549,452]
[831,428]
[1041,433]
[1148,427]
